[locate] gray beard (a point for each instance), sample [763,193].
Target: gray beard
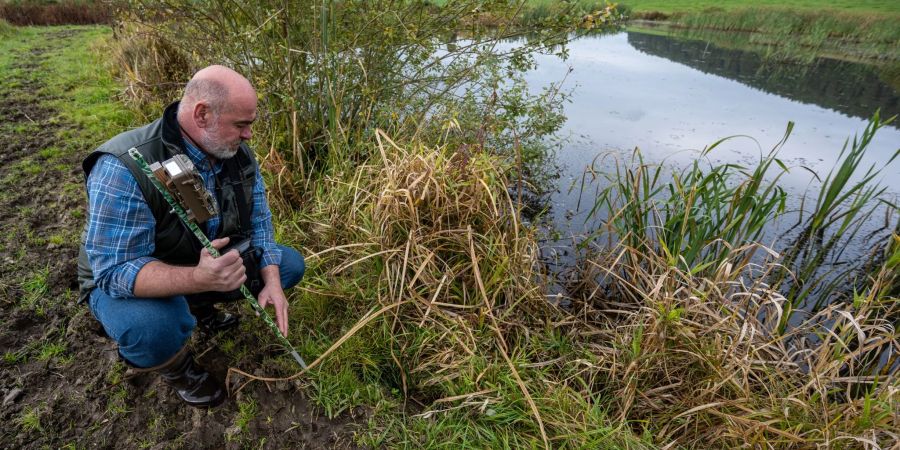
[220,150]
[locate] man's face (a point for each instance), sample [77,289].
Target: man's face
[229,128]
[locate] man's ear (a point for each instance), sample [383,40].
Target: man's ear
[202,115]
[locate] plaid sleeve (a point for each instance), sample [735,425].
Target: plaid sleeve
[263,232]
[121,227]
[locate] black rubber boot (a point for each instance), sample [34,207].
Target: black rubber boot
[193,384]
[212,320]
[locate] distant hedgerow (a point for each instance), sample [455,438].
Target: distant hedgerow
[67,12]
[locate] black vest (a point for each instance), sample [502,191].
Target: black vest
[174,243]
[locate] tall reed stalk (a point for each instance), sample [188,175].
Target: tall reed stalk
[695,218]
[845,201]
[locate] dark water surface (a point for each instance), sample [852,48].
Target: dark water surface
[672,97]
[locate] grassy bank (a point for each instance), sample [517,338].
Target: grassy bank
[671,336]
[535,15]
[795,30]
[683,6]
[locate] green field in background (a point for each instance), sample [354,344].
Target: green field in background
[671,6]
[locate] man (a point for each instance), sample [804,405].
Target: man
[145,275]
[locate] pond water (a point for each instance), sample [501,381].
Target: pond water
[672,97]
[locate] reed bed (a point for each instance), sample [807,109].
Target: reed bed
[712,336]
[700,358]
[698,216]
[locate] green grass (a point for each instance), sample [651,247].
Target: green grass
[542,14]
[35,288]
[30,419]
[50,153]
[51,350]
[338,392]
[797,32]
[84,95]
[69,75]
[6,30]
[40,350]
[117,404]
[19,38]
[115,373]
[676,6]
[247,410]
[15,357]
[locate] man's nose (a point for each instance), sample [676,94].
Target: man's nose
[246,134]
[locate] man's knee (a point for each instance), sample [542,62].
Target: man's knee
[152,342]
[292,267]
[148,331]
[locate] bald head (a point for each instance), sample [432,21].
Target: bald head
[218,87]
[218,94]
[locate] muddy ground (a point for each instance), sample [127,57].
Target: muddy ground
[61,383]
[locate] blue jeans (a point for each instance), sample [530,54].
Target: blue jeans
[149,331]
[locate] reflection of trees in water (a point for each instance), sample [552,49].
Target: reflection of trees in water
[850,88]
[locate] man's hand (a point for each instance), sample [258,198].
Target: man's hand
[273,294]
[159,280]
[222,274]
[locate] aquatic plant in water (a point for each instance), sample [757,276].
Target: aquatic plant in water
[698,217]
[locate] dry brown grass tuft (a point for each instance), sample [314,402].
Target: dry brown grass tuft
[449,239]
[698,359]
[150,67]
[455,268]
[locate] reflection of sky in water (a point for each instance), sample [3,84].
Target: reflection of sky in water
[625,98]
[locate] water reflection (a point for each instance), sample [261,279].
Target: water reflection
[852,89]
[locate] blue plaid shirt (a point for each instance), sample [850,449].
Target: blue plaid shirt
[121,228]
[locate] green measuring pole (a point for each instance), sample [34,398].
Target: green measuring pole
[251,299]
